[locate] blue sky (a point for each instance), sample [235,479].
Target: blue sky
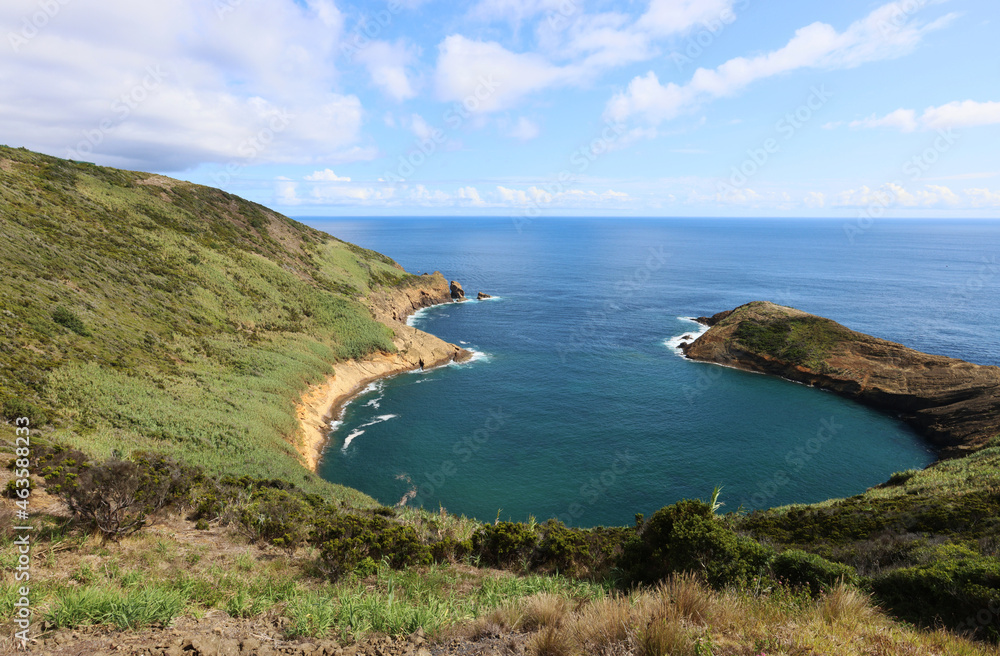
[524,107]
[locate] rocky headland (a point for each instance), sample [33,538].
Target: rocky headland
[415,349]
[953,403]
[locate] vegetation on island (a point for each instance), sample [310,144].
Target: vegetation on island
[157,335]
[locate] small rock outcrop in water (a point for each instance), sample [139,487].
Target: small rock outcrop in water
[457,293]
[955,404]
[481,295]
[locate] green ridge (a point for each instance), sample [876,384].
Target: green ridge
[140,312]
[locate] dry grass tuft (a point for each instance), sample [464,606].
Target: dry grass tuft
[603,624]
[846,605]
[666,634]
[550,641]
[689,597]
[542,611]
[683,617]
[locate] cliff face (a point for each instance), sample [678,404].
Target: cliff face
[415,349]
[391,306]
[955,404]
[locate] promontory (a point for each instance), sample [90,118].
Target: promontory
[953,403]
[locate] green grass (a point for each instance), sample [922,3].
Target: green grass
[400,602]
[130,609]
[145,313]
[800,340]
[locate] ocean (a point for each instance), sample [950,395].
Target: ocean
[578,406]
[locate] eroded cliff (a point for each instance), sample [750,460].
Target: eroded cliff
[955,404]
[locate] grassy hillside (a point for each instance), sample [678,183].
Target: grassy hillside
[140,312]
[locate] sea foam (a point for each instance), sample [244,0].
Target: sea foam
[674,343]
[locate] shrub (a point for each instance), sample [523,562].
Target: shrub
[346,540]
[802,569]
[688,537]
[562,549]
[957,587]
[14,409]
[165,477]
[12,487]
[67,319]
[504,543]
[116,497]
[275,516]
[448,549]
[60,467]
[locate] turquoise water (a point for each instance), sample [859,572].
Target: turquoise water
[576,407]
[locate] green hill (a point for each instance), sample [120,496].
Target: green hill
[141,312]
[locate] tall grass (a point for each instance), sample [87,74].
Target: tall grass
[400,602]
[121,609]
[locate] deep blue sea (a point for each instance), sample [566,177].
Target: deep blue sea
[577,407]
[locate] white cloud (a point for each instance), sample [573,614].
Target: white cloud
[328,14]
[964,114]
[938,195]
[419,127]
[957,114]
[903,119]
[471,194]
[983,197]
[738,196]
[286,191]
[524,130]
[114,82]
[587,43]
[879,35]
[387,63]
[485,76]
[564,199]
[925,197]
[667,17]
[517,11]
[815,199]
[326,175]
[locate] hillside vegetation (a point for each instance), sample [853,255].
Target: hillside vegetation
[158,334]
[140,312]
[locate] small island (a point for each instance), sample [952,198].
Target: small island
[953,403]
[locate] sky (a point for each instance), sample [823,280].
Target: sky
[524,108]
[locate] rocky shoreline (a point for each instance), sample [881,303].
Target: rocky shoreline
[953,403]
[415,349]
